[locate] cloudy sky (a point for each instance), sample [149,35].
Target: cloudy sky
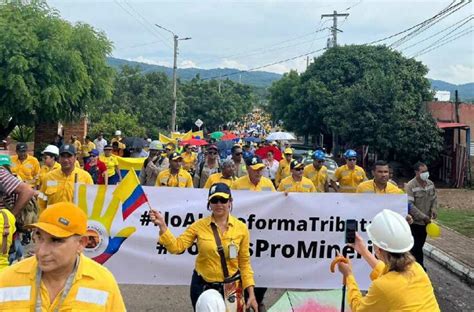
[246,34]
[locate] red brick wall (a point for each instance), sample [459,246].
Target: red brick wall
[445,111]
[45,133]
[78,128]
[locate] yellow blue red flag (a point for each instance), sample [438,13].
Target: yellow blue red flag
[130,193]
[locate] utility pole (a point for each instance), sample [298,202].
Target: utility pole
[334,29]
[175,78]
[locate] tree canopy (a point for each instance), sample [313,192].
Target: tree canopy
[50,70]
[367,95]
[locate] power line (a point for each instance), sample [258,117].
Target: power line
[462,34]
[353,6]
[443,41]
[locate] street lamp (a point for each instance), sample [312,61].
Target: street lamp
[175,67]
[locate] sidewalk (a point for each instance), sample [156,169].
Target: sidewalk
[453,251]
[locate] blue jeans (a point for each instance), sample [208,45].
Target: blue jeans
[17,250]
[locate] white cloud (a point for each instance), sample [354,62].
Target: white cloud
[145,60]
[456,73]
[226,63]
[187,64]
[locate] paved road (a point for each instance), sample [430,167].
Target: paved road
[453,295]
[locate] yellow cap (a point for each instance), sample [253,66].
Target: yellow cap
[62,220]
[288,151]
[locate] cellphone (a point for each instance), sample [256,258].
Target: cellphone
[351,229]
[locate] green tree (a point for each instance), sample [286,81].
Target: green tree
[50,70]
[112,121]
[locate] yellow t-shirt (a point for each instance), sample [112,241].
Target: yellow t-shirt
[318,177]
[111,162]
[58,187]
[182,179]
[94,289]
[288,184]
[217,178]
[45,170]
[77,145]
[87,148]
[6,217]
[189,160]
[208,261]
[370,187]
[283,171]
[244,183]
[349,179]
[27,170]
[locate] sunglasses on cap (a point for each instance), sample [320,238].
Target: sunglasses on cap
[221,200]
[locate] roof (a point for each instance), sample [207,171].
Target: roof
[444,125]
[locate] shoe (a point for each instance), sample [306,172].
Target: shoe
[261,307]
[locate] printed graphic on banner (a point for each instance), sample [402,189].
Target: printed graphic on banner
[299,234]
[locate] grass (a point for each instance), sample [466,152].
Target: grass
[461,221]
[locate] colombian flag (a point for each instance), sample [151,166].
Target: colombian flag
[130,193]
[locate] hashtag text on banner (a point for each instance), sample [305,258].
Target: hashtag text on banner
[131,193]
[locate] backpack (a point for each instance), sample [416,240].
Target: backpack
[29,213]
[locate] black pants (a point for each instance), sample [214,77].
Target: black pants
[197,288]
[419,236]
[259,293]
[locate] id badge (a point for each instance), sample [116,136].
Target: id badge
[232,251]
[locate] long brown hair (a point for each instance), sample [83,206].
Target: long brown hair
[399,262]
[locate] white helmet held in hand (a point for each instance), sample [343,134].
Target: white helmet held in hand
[52,149]
[390,232]
[156,145]
[210,301]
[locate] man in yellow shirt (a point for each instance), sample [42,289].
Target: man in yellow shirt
[87,147]
[284,166]
[189,159]
[175,176]
[24,166]
[58,185]
[379,184]
[111,162]
[59,277]
[77,144]
[50,157]
[226,176]
[350,175]
[296,182]
[317,172]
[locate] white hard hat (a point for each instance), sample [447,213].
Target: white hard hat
[210,301]
[156,145]
[53,149]
[118,132]
[391,232]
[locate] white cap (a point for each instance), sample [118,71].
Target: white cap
[53,149]
[391,232]
[156,145]
[148,140]
[210,301]
[118,132]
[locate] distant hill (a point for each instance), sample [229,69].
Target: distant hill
[465,91]
[254,78]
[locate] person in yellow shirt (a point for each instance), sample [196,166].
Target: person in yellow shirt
[350,175]
[284,166]
[235,241]
[379,184]
[175,176]
[189,159]
[59,277]
[77,144]
[58,185]
[399,283]
[296,182]
[226,176]
[112,164]
[7,228]
[50,157]
[87,147]
[24,166]
[317,172]
[254,180]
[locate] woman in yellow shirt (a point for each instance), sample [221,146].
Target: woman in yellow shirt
[399,283]
[234,236]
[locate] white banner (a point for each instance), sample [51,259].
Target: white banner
[293,238]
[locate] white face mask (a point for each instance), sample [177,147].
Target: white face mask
[425,175]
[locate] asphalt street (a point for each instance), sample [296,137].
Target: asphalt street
[453,295]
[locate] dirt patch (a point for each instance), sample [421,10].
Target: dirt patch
[456,199]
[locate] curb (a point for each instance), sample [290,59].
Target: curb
[464,272]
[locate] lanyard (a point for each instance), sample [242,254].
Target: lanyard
[65,292]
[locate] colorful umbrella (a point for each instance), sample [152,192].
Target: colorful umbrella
[229,136]
[280,136]
[197,142]
[217,135]
[262,152]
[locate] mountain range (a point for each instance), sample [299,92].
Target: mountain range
[262,79]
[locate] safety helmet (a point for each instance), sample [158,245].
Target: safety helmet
[210,301]
[156,145]
[52,149]
[391,232]
[319,155]
[350,153]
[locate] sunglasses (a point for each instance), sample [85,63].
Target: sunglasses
[299,169]
[238,154]
[221,200]
[352,159]
[212,153]
[320,161]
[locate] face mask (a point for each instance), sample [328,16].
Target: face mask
[424,176]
